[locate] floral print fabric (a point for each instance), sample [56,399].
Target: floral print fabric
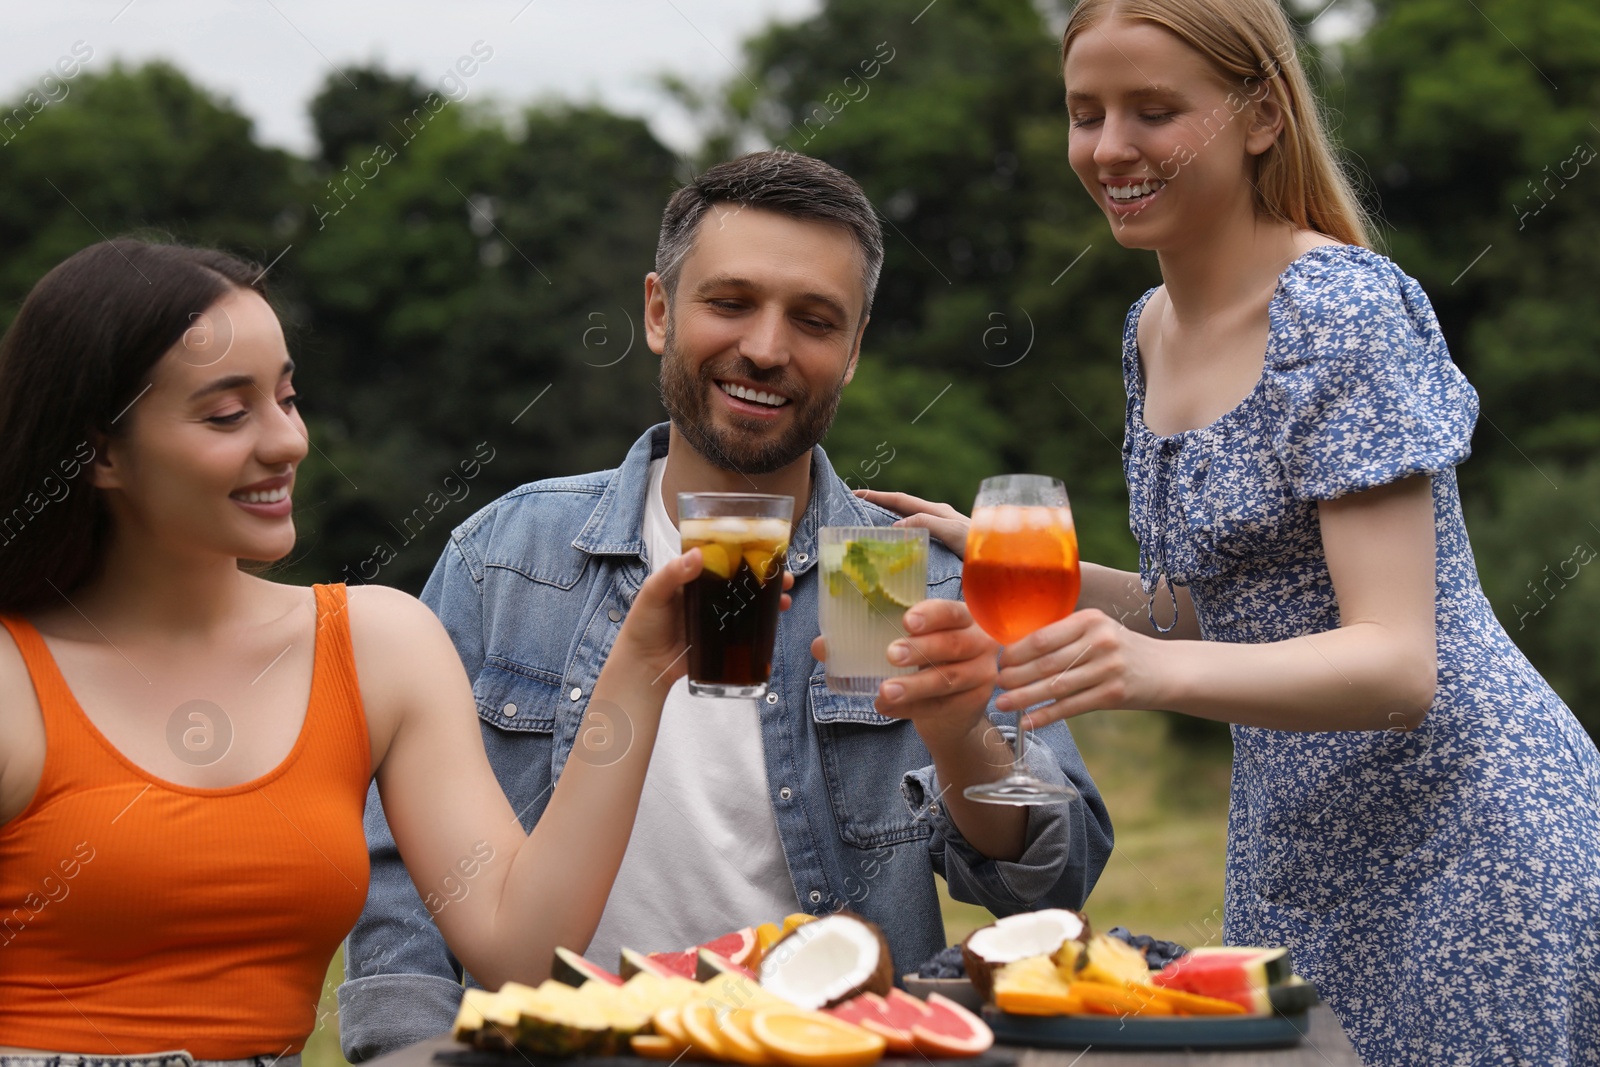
[1441,887]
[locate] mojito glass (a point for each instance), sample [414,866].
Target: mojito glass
[870,576]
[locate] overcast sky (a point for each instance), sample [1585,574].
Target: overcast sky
[271,56]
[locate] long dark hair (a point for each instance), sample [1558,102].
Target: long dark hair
[77,356]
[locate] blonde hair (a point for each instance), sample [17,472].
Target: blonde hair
[1298,179]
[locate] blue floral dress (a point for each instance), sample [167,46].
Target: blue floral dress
[1441,887]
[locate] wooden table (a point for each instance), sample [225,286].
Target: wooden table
[1323,1046]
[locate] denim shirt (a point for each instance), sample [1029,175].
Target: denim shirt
[533,589]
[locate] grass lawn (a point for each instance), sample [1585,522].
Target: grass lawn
[1169,804]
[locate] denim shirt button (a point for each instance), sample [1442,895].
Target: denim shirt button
[576,694]
[510,710]
[816,897]
[772,698]
[801,557]
[785,793]
[614,615]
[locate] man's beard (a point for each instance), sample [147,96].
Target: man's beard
[687,396]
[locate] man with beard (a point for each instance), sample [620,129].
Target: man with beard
[804,800]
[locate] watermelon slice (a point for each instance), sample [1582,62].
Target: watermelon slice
[708,965]
[950,1030]
[738,948]
[637,962]
[574,970]
[1242,975]
[1293,997]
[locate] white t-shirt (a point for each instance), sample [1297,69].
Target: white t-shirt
[704,857]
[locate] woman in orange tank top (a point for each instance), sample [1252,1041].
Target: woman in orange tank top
[185,747]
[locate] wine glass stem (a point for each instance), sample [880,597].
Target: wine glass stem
[1017,765]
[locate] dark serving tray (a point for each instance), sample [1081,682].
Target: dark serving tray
[1160,1032]
[471,1057]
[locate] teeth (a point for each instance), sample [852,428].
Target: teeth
[754,395]
[270,496]
[1130,192]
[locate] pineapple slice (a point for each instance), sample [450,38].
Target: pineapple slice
[1112,962]
[1033,986]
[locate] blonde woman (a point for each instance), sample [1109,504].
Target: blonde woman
[1414,810]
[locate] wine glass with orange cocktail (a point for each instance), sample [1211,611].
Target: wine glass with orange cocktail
[1021,574]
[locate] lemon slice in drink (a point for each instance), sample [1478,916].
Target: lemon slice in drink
[902,571]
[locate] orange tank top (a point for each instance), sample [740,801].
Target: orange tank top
[137,915]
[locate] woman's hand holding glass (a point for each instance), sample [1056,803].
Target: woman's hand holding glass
[1085,662]
[652,636]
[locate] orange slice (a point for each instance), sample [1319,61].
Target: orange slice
[1100,999]
[1037,1002]
[801,1038]
[767,935]
[799,918]
[700,1026]
[717,560]
[763,563]
[656,1047]
[738,1037]
[1193,1003]
[669,1022]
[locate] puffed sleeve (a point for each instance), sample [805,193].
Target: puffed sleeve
[1359,368]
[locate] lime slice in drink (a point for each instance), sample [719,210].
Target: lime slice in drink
[883,572]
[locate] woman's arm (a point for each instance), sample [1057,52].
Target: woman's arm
[1376,671]
[1116,593]
[447,810]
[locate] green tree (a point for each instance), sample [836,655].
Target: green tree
[359,110]
[470,303]
[1476,122]
[137,150]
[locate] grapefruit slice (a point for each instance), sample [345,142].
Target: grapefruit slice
[574,970]
[801,1038]
[857,1008]
[872,1012]
[951,1030]
[739,947]
[907,1009]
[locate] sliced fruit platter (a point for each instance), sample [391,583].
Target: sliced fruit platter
[813,992]
[1050,965]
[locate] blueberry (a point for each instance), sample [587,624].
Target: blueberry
[944,964]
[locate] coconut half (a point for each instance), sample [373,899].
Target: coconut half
[828,961]
[1017,937]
